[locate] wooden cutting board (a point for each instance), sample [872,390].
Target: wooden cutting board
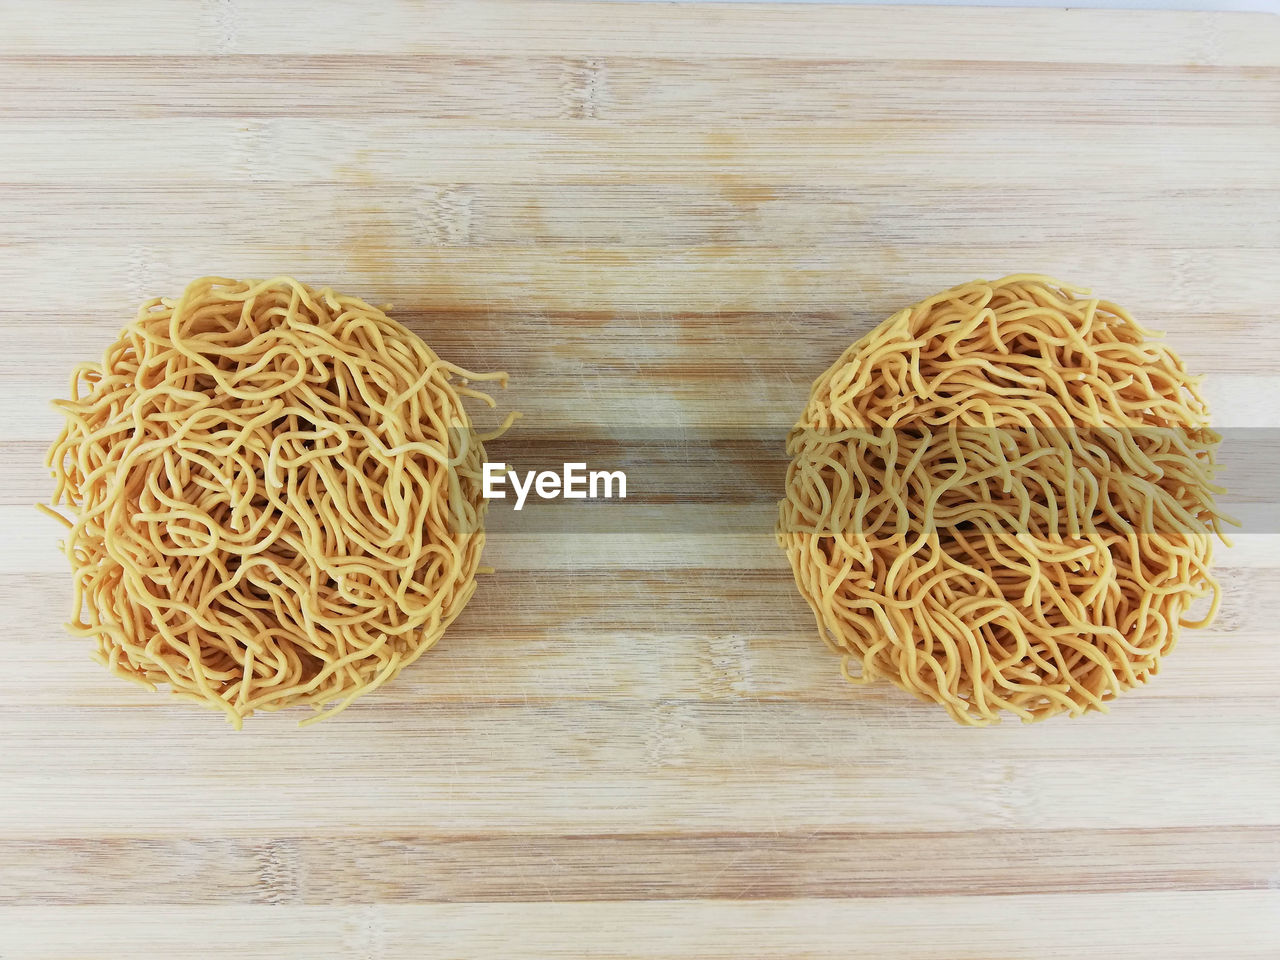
[651,215]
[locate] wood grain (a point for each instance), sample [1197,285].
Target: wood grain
[420,868]
[1175,926]
[632,744]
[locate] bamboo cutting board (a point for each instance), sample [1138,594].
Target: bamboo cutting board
[635,746]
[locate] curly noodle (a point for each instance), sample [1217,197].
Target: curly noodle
[274,496]
[1001,499]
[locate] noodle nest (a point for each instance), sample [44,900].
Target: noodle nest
[273,496]
[1001,500]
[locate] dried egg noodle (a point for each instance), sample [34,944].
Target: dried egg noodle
[274,496]
[1001,499]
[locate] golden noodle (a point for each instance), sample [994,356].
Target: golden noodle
[274,496]
[1001,499]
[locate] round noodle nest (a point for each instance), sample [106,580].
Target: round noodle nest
[274,496]
[1001,501]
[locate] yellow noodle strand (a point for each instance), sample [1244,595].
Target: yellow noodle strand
[273,496]
[1001,499]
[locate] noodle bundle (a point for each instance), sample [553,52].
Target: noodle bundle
[1001,500]
[274,496]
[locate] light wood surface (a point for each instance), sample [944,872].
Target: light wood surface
[655,215]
